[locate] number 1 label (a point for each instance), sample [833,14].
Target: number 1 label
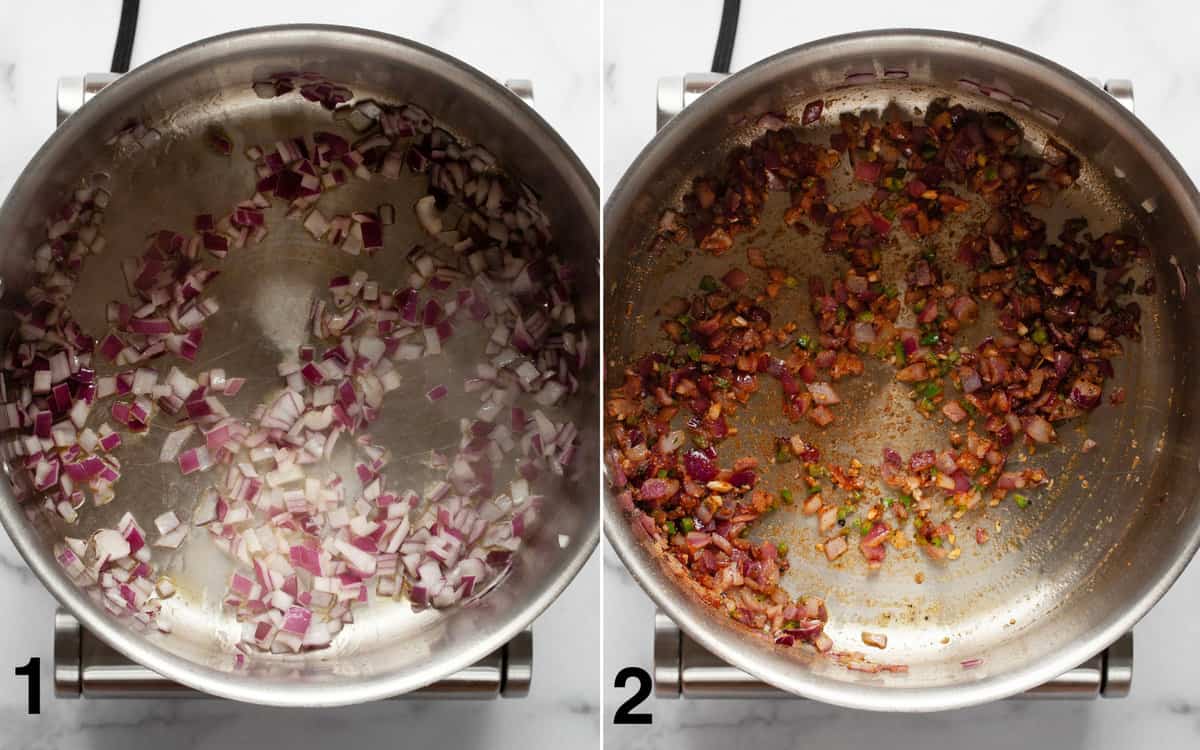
[32,670]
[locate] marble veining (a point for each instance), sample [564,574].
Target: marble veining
[1106,39]
[7,72]
[37,46]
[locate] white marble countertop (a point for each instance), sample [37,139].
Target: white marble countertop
[41,41]
[1153,44]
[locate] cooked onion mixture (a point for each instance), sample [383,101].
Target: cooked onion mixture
[1060,309]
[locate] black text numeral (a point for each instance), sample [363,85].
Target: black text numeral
[625,714]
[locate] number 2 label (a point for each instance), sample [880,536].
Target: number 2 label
[625,714]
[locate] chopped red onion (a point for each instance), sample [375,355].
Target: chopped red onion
[194,460]
[173,443]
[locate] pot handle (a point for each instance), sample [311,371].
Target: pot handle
[1121,89]
[522,87]
[677,92]
[685,669]
[87,667]
[76,91]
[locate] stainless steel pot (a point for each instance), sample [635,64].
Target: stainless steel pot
[1064,582]
[390,649]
